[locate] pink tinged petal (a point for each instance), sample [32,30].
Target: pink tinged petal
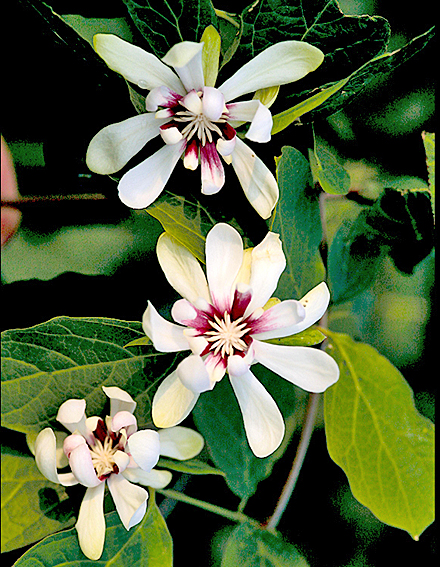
[183,310]
[194,375]
[72,442]
[91,522]
[161,96]
[144,447]
[258,183]
[216,367]
[182,269]
[197,343]
[191,158]
[224,256]
[172,402]
[311,369]
[124,420]
[46,459]
[154,478]
[279,64]
[226,144]
[192,102]
[122,460]
[180,443]
[134,64]
[130,500]
[140,186]
[257,114]
[166,336]
[263,422]
[186,59]
[170,134]
[119,400]
[242,298]
[213,174]
[213,103]
[115,145]
[80,462]
[273,323]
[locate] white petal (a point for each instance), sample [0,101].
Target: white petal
[72,414]
[130,500]
[225,147]
[191,159]
[273,322]
[315,303]
[194,375]
[140,186]
[171,135]
[91,522]
[192,102]
[258,183]
[135,64]
[186,59]
[46,458]
[213,174]
[279,64]
[172,402]
[256,113]
[72,442]
[180,443]
[161,96]
[182,310]
[309,368]
[120,400]
[144,447]
[122,460]
[216,368]
[182,269]
[80,462]
[213,103]
[154,478]
[263,422]
[224,256]
[115,145]
[124,420]
[166,336]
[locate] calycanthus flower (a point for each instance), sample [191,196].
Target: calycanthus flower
[222,321]
[194,118]
[110,450]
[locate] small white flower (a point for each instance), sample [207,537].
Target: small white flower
[194,119]
[222,321]
[111,450]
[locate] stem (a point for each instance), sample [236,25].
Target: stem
[26,202]
[304,442]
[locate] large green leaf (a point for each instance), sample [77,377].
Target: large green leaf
[148,544]
[328,170]
[252,546]
[429,143]
[297,221]
[25,489]
[376,435]
[73,358]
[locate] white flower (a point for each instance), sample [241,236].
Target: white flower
[113,451]
[222,321]
[194,119]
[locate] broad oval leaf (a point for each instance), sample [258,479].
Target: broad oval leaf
[376,435]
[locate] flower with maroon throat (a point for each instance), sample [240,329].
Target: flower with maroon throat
[224,321]
[194,118]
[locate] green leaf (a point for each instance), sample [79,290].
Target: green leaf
[429,143]
[148,544]
[252,546]
[73,358]
[25,489]
[376,435]
[164,24]
[297,221]
[309,337]
[193,466]
[328,170]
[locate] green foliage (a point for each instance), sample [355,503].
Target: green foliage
[328,170]
[192,466]
[429,143]
[309,337]
[376,435]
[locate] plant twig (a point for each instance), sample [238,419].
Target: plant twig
[30,202]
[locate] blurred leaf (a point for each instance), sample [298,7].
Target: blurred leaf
[429,143]
[251,546]
[297,220]
[25,489]
[148,544]
[375,434]
[328,170]
[309,337]
[193,466]
[73,358]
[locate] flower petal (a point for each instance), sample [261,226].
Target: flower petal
[72,415]
[263,422]
[194,375]
[91,522]
[279,64]
[115,145]
[213,174]
[124,420]
[130,500]
[191,159]
[172,402]
[213,103]
[144,447]
[180,443]
[309,368]
[273,322]
[170,134]
[80,462]
[182,269]
[186,59]
[134,64]
[258,183]
[257,114]
[161,96]
[216,367]
[154,478]
[192,102]
[166,336]
[224,256]
[120,400]
[46,458]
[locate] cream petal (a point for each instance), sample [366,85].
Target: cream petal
[186,59]
[213,103]
[130,500]
[311,369]
[191,159]
[46,458]
[140,186]
[91,522]
[170,135]
[279,64]
[115,145]
[192,102]
[224,256]
[172,402]
[72,442]
[166,336]
[134,64]
[273,322]
[144,447]
[180,443]
[225,147]
[263,422]
[80,462]
[257,114]
[258,183]
[213,174]
[194,375]
[120,400]
[124,420]
[154,478]
[182,269]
